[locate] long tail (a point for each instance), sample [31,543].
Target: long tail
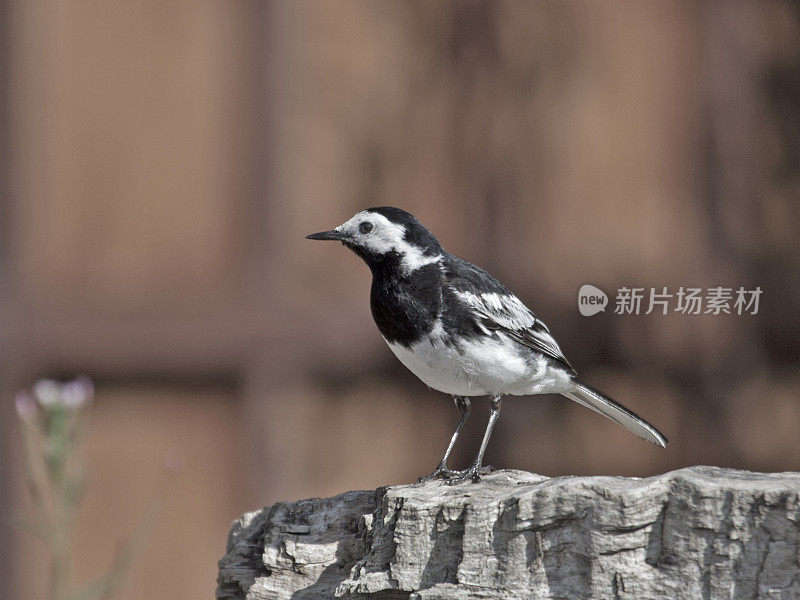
[591,398]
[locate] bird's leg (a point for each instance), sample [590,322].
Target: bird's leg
[473,472]
[463,405]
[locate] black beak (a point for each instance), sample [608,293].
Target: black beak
[333,235]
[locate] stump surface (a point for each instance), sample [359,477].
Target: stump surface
[695,533]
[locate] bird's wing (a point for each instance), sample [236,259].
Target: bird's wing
[497,309]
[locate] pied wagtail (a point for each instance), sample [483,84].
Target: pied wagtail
[460,330]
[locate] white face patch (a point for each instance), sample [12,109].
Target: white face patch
[386,236]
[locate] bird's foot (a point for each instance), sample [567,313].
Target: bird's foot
[473,473]
[441,472]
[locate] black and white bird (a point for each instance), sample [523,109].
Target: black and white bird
[460,330]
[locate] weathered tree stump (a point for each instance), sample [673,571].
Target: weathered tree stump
[696,533]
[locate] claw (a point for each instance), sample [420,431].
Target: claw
[451,476]
[439,473]
[473,473]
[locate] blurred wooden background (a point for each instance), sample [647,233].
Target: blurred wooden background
[161,163]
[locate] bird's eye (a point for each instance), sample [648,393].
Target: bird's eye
[365,227]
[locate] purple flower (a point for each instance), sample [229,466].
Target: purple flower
[47,393]
[78,392]
[26,406]
[71,394]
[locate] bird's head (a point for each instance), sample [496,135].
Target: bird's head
[385,234]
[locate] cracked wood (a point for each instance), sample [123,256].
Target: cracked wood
[699,533]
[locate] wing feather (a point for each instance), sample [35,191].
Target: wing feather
[497,309]
[506,313]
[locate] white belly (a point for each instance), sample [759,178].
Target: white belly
[485,367]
